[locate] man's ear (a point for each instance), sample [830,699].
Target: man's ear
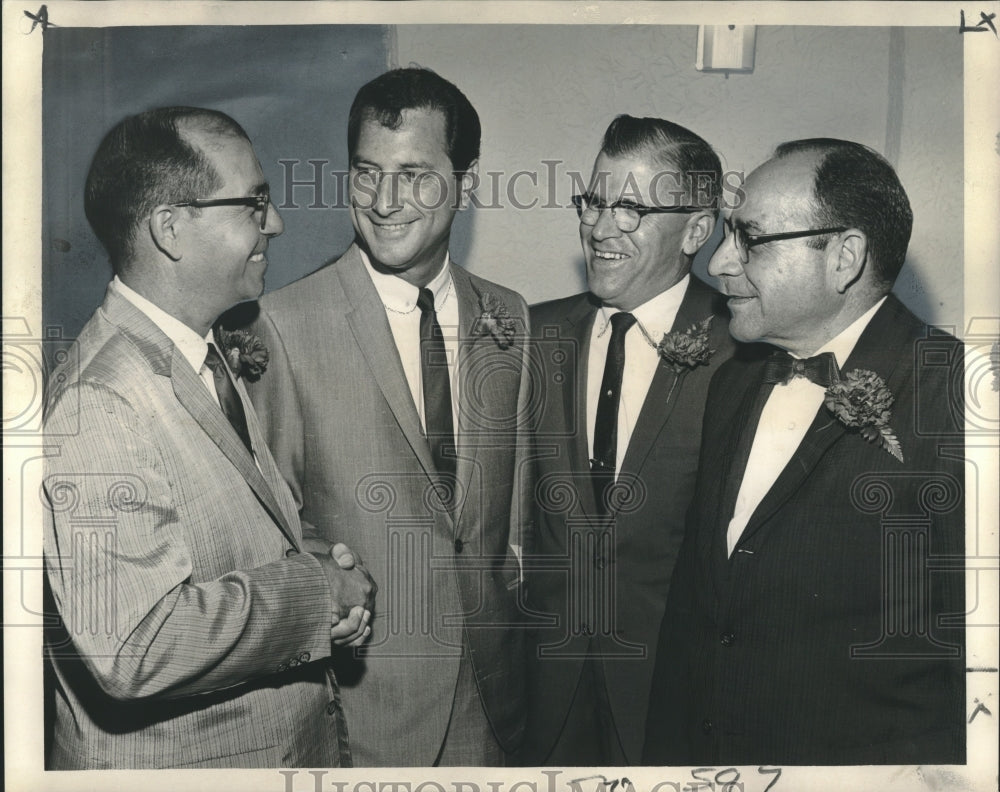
[468,182]
[163,228]
[849,257]
[699,228]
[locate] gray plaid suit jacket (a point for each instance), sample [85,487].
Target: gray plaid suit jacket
[190,623]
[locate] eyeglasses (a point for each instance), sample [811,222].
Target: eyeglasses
[627,215]
[744,241]
[259,203]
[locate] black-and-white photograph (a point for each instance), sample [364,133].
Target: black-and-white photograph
[501,395]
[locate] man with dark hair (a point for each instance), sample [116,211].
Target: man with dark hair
[627,365]
[192,627]
[396,415]
[816,613]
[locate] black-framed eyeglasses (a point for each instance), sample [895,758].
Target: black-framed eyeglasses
[626,214]
[744,241]
[259,204]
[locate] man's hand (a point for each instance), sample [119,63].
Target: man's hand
[352,594]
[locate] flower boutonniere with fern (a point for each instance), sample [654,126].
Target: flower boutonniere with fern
[861,400]
[495,319]
[689,348]
[244,352]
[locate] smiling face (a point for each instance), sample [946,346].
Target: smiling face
[225,257]
[627,269]
[785,293]
[404,194]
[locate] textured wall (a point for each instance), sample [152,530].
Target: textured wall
[548,92]
[290,87]
[544,92]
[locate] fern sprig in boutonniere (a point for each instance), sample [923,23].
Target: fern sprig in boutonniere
[244,352]
[861,400]
[689,348]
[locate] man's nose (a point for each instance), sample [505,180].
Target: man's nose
[387,194]
[605,227]
[274,225]
[726,259]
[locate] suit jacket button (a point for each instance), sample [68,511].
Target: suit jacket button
[727,639]
[459,544]
[304,657]
[331,708]
[291,551]
[706,726]
[282,667]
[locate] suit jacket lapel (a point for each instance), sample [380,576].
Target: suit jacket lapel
[468,346]
[167,361]
[734,444]
[194,397]
[374,338]
[878,350]
[578,326]
[662,395]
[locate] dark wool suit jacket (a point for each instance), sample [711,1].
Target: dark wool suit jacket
[340,418]
[833,634]
[578,565]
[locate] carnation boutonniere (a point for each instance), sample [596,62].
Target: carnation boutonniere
[245,353]
[861,400]
[495,319]
[687,349]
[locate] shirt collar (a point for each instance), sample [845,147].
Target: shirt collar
[844,342]
[399,296]
[193,347]
[655,316]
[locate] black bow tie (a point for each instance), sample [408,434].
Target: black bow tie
[782,367]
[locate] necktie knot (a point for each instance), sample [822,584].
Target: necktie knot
[621,322]
[822,369]
[425,301]
[214,360]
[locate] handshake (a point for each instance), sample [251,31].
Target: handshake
[352,591]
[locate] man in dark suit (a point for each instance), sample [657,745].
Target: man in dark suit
[193,628]
[816,613]
[396,412]
[626,367]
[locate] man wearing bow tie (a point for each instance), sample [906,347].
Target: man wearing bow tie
[397,415]
[816,614]
[193,628]
[620,432]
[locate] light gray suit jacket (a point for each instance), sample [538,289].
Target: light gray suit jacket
[190,624]
[341,421]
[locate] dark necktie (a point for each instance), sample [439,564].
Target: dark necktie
[228,397]
[437,387]
[781,368]
[603,464]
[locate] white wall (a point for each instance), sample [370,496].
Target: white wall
[548,92]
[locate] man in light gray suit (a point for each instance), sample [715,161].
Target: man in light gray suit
[396,418]
[192,627]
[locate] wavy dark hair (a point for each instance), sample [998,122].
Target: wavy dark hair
[386,97]
[673,147]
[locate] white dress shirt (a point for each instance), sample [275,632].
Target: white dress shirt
[399,299]
[787,414]
[193,347]
[653,318]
